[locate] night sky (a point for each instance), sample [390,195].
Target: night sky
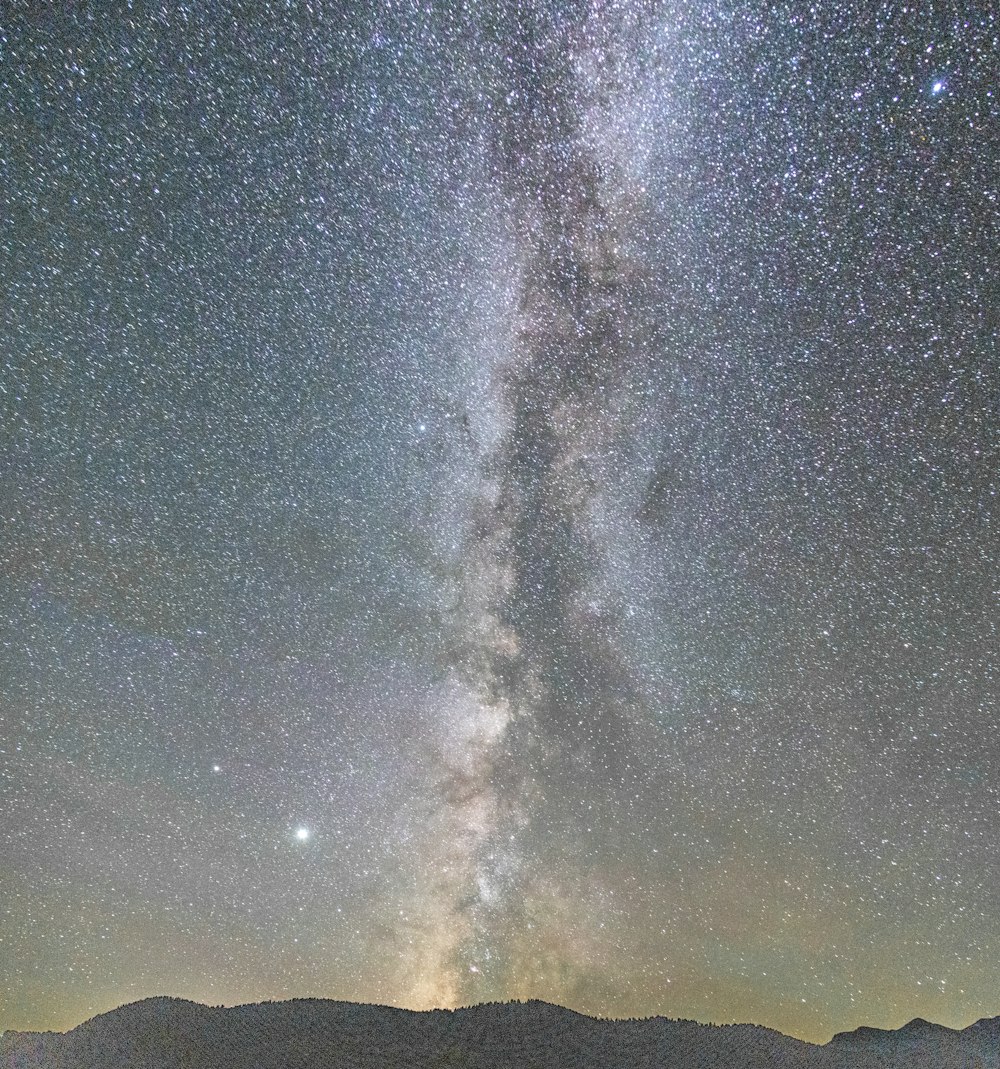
[499,500]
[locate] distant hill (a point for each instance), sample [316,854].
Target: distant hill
[167,1033]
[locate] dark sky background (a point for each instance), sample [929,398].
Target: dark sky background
[499,500]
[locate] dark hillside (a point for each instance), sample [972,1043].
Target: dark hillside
[318,1034]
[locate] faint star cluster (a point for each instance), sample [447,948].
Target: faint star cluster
[499,501]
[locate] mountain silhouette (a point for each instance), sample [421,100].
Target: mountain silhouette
[921,1043]
[170,1033]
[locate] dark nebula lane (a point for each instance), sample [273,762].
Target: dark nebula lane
[499,501]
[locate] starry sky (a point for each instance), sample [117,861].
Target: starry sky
[498,500]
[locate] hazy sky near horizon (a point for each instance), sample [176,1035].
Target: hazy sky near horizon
[499,500]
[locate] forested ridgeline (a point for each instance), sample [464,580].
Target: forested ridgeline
[166,1033]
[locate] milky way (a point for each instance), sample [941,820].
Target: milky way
[499,501]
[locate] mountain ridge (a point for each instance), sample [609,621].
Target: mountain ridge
[313,1033]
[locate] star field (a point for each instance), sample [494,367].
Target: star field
[499,501]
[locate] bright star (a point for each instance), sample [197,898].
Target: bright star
[302,834]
